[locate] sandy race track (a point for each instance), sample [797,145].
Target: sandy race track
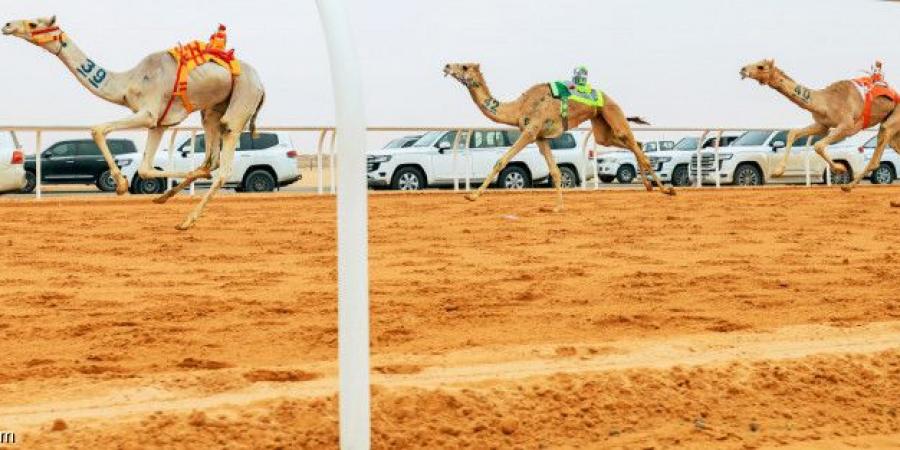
[727,319]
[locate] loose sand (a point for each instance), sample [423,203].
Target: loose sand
[726,319]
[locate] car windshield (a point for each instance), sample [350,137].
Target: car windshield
[428,139]
[752,138]
[871,142]
[399,143]
[688,143]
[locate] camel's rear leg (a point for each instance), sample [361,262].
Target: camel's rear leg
[528,136]
[544,146]
[622,137]
[812,130]
[886,134]
[842,131]
[212,125]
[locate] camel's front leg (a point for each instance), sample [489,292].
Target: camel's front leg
[141,119]
[528,136]
[226,160]
[836,134]
[812,130]
[555,175]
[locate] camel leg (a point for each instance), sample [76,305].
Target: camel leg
[836,134]
[812,130]
[886,134]
[555,175]
[603,135]
[141,119]
[528,136]
[615,118]
[211,128]
[227,159]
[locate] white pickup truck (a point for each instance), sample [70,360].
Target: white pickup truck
[750,159]
[620,164]
[672,165]
[432,162]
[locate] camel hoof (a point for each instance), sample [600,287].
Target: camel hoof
[121,185]
[777,172]
[846,188]
[471,197]
[551,209]
[185,226]
[895,204]
[670,191]
[161,199]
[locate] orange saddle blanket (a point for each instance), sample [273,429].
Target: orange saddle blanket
[872,88]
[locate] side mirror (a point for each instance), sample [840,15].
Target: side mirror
[444,146]
[778,144]
[46,155]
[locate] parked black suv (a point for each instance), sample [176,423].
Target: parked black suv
[79,162]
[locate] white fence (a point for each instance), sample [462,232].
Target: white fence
[322,138]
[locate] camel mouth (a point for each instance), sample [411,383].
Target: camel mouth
[7,30]
[743,73]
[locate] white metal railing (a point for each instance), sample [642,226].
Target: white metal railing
[325,144]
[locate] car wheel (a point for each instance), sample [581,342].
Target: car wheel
[748,175]
[625,174]
[30,183]
[105,182]
[607,178]
[841,178]
[514,177]
[408,179]
[569,178]
[680,176]
[149,186]
[884,174]
[259,181]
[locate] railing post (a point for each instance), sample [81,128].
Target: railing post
[170,183]
[193,143]
[716,161]
[331,158]
[700,159]
[807,168]
[582,172]
[37,165]
[319,176]
[455,148]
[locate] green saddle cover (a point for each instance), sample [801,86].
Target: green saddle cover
[564,91]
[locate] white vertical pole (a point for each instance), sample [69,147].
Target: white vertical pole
[37,165]
[700,159]
[716,162]
[331,171]
[352,230]
[582,171]
[454,166]
[171,182]
[469,158]
[806,166]
[193,143]
[319,181]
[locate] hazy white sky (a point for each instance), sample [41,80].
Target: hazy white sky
[673,62]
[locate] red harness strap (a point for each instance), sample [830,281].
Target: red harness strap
[172,98]
[874,90]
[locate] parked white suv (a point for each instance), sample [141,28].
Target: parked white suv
[672,165]
[261,164]
[12,170]
[430,161]
[750,159]
[620,164]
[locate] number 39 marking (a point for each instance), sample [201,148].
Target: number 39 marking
[87,69]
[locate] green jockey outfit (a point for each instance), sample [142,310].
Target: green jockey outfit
[578,90]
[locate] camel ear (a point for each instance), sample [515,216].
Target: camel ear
[52,21]
[477,66]
[770,63]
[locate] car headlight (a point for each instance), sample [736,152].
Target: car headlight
[725,156]
[663,159]
[123,162]
[379,158]
[601,160]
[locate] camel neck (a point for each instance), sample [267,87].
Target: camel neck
[492,108]
[109,86]
[795,92]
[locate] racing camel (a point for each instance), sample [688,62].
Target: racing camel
[161,91]
[542,113]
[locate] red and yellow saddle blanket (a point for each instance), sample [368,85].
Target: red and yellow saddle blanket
[194,54]
[872,87]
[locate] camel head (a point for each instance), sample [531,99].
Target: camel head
[37,31]
[466,73]
[761,71]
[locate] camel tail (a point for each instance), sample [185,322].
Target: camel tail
[638,120]
[255,114]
